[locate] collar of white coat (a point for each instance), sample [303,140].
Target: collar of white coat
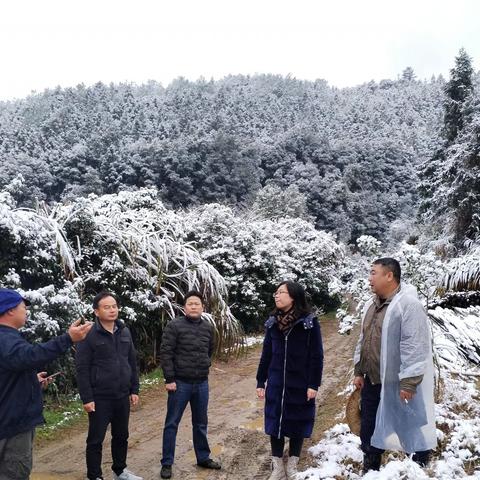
[406,289]
[380,302]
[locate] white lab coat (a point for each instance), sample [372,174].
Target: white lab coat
[406,351]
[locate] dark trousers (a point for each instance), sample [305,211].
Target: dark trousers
[278,445]
[16,456]
[370,401]
[197,395]
[116,413]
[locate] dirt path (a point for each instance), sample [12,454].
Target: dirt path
[235,424]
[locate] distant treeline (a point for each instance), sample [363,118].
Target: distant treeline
[351,153]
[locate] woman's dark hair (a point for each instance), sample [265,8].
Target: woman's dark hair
[100,296]
[297,292]
[193,293]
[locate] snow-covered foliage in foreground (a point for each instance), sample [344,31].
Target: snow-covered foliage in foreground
[464,272]
[127,243]
[338,455]
[456,336]
[149,255]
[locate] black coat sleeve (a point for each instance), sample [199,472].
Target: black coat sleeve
[211,346]
[262,371]
[167,352]
[83,365]
[132,360]
[315,354]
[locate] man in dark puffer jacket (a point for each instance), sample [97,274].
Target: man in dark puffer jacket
[185,355]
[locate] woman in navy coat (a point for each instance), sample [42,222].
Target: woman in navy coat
[289,374]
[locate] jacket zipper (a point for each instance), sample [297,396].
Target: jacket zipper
[284,377]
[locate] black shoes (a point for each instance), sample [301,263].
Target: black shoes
[209,463]
[166,471]
[422,458]
[371,461]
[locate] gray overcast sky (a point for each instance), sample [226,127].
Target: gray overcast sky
[46,43]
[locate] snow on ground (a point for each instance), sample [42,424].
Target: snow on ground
[338,454]
[250,341]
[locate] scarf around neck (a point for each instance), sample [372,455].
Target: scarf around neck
[285,320]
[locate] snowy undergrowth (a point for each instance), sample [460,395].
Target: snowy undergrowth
[338,455]
[251,341]
[456,336]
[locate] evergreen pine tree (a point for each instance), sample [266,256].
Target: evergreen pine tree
[457,91]
[437,173]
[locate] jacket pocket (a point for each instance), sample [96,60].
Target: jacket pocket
[102,350]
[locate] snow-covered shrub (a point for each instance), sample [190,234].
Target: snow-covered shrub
[60,256]
[456,312]
[353,284]
[254,254]
[456,336]
[464,271]
[273,202]
[424,270]
[368,245]
[127,243]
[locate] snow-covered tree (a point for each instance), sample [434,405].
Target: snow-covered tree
[450,180]
[457,90]
[254,254]
[222,141]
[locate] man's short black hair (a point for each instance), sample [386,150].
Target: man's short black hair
[100,296]
[193,293]
[391,265]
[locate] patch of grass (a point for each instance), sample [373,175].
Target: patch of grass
[151,379]
[328,316]
[62,411]
[471,466]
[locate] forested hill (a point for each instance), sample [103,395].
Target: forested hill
[351,152]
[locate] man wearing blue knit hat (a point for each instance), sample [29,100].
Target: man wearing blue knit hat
[21,403]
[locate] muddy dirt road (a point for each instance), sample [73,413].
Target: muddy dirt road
[235,424]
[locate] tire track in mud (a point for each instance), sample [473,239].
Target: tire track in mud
[235,424]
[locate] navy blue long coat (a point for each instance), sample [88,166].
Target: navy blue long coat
[289,365]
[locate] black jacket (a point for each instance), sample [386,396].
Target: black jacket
[186,351]
[21,402]
[106,364]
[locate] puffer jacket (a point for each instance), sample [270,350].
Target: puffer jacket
[186,350]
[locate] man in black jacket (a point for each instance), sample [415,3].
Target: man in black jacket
[107,380]
[21,402]
[185,355]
